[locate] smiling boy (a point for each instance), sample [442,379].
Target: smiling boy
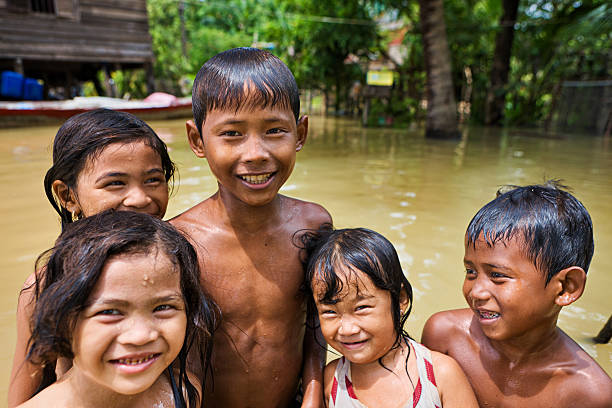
[246,108]
[526,256]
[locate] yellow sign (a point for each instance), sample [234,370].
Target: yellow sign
[380,78]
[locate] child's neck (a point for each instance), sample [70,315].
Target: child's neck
[244,217]
[536,343]
[82,391]
[394,360]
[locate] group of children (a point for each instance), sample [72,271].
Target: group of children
[230,304]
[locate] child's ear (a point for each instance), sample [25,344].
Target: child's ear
[195,140]
[404,302]
[570,283]
[302,133]
[66,197]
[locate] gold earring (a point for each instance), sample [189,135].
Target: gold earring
[75,216]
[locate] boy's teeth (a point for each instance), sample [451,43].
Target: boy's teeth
[130,361]
[256,179]
[488,315]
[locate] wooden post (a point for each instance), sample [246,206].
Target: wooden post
[18,65]
[366,112]
[150,77]
[68,86]
[605,334]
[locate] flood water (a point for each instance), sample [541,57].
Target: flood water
[419,193]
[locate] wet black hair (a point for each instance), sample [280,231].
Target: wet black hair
[84,136]
[75,265]
[329,251]
[243,78]
[555,229]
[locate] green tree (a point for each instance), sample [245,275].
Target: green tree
[496,94]
[320,38]
[556,41]
[441,106]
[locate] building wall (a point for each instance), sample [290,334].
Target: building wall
[102,31]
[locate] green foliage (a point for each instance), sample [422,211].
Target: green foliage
[554,41]
[165,30]
[313,38]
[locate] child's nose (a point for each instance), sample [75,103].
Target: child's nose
[137,197]
[255,149]
[138,332]
[348,327]
[479,289]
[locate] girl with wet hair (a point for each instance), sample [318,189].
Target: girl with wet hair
[363,300]
[120,297]
[102,159]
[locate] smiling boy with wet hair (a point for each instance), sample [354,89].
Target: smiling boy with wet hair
[246,107]
[527,254]
[243,78]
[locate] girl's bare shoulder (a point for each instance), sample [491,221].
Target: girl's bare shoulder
[328,377]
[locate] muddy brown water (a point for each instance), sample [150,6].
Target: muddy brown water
[419,193]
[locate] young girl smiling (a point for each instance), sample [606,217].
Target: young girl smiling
[363,300]
[120,297]
[102,159]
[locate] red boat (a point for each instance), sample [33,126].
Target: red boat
[33,113]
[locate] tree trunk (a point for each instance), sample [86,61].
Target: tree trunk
[441,106]
[496,95]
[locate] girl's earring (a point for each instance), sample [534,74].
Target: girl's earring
[75,216]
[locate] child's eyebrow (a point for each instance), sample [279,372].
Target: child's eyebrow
[274,119]
[108,302]
[496,266]
[169,298]
[269,119]
[155,170]
[329,302]
[174,297]
[111,174]
[231,122]
[489,265]
[121,174]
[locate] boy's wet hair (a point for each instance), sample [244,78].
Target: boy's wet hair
[554,228]
[243,78]
[83,137]
[74,266]
[329,253]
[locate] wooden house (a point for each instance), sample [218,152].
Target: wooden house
[64,42]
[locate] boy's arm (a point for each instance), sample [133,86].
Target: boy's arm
[453,386]
[25,376]
[315,352]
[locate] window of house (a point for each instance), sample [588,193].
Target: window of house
[43,6]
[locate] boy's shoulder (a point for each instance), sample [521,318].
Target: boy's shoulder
[443,329]
[577,376]
[312,215]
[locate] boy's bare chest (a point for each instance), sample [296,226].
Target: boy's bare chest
[500,385]
[258,274]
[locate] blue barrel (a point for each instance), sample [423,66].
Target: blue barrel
[32,90]
[11,85]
